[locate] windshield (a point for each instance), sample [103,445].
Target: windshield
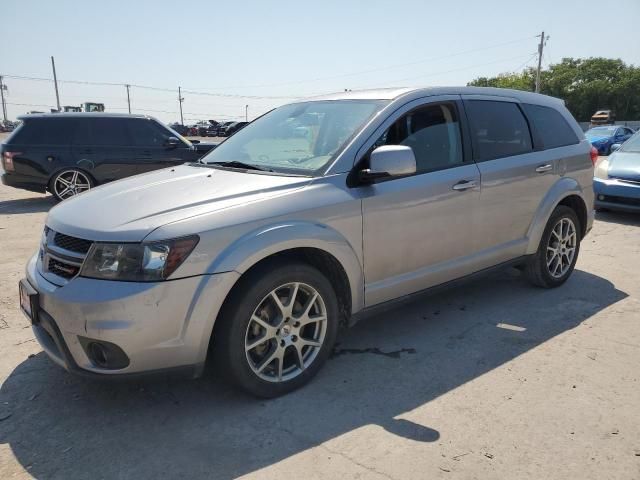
[632,145]
[601,131]
[301,138]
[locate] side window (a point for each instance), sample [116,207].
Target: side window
[498,129]
[551,126]
[101,131]
[432,132]
[146,133]
[52,131]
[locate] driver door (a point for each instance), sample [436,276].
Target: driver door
[149,148]
[418,229]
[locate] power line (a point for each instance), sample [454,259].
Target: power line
[388,67]
[432,74]
[526,62]
[209,92]
[148,87]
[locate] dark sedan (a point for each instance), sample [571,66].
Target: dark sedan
[69,153]
[617,178]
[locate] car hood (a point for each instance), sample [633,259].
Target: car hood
[130,209]
[625,165]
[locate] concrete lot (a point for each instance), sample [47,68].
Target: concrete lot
[495,379]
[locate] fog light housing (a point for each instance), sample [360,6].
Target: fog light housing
[601,197]
[103,354]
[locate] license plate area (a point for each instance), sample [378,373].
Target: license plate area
[29,301]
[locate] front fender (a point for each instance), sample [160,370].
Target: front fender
[265,241]
[561,189]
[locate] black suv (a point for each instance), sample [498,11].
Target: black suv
[68,153]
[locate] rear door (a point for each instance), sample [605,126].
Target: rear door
[150,149]
[514,176]
[101,146]
[44,146]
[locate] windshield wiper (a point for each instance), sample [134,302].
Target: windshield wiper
[238,164]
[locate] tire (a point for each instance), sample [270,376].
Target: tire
[552,264]
[253,329]
[69,183]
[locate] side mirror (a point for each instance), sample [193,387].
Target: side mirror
[171,142]
[615,147]
[389,161]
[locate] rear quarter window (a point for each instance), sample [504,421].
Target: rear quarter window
[498,129]
[45,131]
[553,129]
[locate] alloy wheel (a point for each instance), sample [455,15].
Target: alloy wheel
[561,248]
[70,183]
[286,332]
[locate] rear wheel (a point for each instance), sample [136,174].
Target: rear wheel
[278,328]
[558,251]
[69,183]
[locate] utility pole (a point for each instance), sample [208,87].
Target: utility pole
[543,40]
[4,105]
[180,100]
[55,82]
[128,98]
[246,113]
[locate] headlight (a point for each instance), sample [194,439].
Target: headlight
[137,262]
[602,169]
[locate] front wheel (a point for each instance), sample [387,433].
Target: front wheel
[558,251]
[277,329]
[69,183]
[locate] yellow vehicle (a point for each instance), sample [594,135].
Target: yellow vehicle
[603,117]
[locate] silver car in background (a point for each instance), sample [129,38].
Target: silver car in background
[312,214]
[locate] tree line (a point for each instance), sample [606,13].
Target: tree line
[585,84]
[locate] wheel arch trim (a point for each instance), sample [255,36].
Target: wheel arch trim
[270,240]
[563,188]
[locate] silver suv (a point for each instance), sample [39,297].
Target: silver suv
[252,258]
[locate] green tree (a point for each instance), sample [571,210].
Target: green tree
[586,85]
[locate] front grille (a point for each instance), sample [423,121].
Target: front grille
[73,244]
[635,202]
[62,269]
[62,255]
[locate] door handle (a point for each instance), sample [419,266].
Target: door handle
[544,168]
[464,185]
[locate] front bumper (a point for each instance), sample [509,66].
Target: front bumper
[616,194]
[159,326]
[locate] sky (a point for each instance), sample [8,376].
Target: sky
[261,54]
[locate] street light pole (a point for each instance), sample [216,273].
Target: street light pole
[246,113]
[4,105]
[128,98]
[540,47]
[180,100]
[55,82]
